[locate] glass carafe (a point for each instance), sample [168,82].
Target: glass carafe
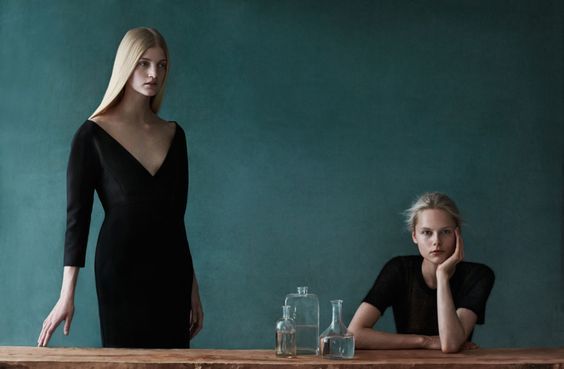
[285,335]
[336,342]
[304,309]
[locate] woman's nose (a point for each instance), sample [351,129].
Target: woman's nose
[436,240]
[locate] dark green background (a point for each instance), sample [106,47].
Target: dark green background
[311,126]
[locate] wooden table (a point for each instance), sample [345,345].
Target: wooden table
[100,358]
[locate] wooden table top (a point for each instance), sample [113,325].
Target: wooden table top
[94,358]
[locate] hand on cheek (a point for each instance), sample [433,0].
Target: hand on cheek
[447,267]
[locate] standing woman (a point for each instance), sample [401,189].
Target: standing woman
[137,163]
[436,297]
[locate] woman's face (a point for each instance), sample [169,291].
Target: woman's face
[434,235]
[148,76]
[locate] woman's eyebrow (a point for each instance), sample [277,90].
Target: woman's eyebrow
[442,228]
[162,60]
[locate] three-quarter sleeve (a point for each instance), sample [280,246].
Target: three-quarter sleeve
[184,179]
[81,182]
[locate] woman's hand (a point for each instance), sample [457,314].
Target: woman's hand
[447,267]
[468,345]
[197,313]
[431,342]
[63,310]
[434,343]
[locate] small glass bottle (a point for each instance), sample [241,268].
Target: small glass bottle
[336,342]
[285,335]
[304,309]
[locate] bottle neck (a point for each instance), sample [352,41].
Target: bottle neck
[337,312]
[286,312]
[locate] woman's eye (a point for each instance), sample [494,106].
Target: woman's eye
[426,233]
[162,66]
[142,63]
[447,231]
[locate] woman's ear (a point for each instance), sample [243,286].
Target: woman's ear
[413,236]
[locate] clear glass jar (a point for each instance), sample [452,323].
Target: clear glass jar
[285,335]
[304,309]
[336,342]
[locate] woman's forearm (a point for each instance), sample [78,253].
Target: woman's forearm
[70,276]
[194,281]
[63,309]
[366,317]
[451,330]
[368,338]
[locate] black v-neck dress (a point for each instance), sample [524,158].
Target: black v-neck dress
[143,264]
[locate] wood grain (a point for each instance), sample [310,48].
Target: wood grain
[102,358]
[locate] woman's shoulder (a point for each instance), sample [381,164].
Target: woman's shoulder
[106,121]
[470,265]
[85,130]
[403,263]
[406,260]
[476,270]
[175,124]
[103,121]
[179,132]
[84,139]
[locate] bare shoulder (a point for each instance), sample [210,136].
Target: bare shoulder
[169,127]
[166,123]
[102,120]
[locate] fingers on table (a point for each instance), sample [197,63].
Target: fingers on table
[49,326]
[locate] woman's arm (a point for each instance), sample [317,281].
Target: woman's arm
[63,309]
[367,338]
[455,325]
[197,313]
[82,173]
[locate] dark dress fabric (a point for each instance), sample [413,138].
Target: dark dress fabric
[400,284]
[143,265]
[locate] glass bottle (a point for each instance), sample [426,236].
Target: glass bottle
[336,342]
[304,309]
[285,335]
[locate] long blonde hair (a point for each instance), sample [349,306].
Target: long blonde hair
[135,42]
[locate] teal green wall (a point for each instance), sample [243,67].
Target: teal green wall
[311,125]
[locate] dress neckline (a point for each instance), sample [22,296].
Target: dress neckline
[152,175]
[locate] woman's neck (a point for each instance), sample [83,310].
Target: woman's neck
[429,271]
[134,108]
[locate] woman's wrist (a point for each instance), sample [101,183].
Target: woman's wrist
[442,276]
[67,296]
[422,341]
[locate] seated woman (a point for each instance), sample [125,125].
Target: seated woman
[436,297]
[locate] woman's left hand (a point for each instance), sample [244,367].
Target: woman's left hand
[197,313]
[447,267]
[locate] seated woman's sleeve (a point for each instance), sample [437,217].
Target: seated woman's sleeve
[384,291]
[81,177]
[477,287]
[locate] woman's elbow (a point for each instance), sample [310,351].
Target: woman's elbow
[359,341]
[354,330]
[450,347]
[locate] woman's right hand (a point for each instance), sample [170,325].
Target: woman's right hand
[431,342]
[63,310]
[434,343]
